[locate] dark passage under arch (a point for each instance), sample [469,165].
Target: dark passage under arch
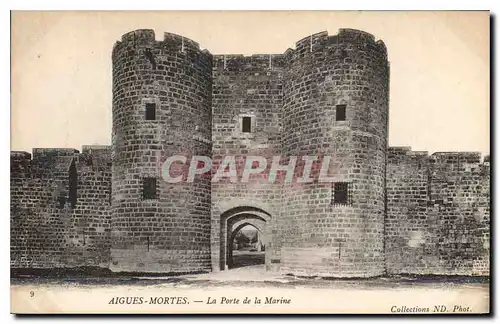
[247,246]
[252,253]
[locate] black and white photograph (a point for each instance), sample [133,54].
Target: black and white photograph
[232,162]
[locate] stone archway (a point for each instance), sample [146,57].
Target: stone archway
[236,224]
[232,221]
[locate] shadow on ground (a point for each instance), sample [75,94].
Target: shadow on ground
[243,276]
[247,258]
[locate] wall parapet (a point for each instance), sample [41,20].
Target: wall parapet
[255,62]
[20,155]
[468,157]
[47,160]
[322,41]
[146,38]
[438,157]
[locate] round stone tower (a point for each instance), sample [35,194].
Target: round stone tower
[161,107]
[335,103]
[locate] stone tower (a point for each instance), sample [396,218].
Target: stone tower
[381,210]
[335,103]
[161,107]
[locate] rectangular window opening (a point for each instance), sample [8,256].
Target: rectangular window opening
[150,111]
[340,112]
[341,193]
[149,188]
[246,126]
[62,200]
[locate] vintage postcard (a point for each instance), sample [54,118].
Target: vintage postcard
[287,162]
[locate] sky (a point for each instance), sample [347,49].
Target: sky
[439,83]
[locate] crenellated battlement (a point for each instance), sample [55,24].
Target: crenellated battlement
[404,155]
[139,35]
[256,62]
[139,40]
[46,158]
[20,155]
[334,44]
[395,152]
[398,149]
[452,157]
[405,150]
[94,148]
[148,36]
[178,40]
[143,39]
[54,151]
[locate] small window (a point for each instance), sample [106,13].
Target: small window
[150,111]
[89,160]
[246,126]
[150,56]
[341,193]
[149,188]
[62,200]
[340,112]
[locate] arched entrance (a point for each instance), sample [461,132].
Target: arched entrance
[232,221]
[246,243]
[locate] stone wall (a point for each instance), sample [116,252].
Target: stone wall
[60,208]
[438,213]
